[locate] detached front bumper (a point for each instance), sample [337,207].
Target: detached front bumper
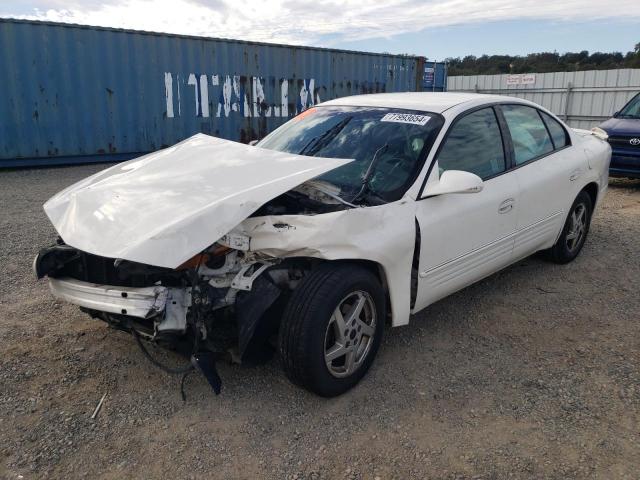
[143,302]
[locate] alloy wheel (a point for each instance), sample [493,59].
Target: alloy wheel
[350,334]
[577,227]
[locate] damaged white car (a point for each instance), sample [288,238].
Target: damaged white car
[350,217]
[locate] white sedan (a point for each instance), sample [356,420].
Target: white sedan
[352,216]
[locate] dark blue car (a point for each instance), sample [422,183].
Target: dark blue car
[624,137]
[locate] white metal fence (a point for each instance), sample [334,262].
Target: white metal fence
[582,99]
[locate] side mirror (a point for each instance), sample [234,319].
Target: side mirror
[252,143]
[454,181]
[615,114]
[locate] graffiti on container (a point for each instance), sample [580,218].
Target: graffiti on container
[220,96]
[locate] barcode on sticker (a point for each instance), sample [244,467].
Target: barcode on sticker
[406,118]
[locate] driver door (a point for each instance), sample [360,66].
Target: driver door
[467,236]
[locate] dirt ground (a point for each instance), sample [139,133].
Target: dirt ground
[532,373]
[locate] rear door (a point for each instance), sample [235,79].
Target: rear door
[546,167]
[465,237]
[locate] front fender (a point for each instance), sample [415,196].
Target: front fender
[382,234]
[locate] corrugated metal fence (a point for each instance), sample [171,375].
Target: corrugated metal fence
[583,99]
[73,93]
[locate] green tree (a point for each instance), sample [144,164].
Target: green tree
[543,62]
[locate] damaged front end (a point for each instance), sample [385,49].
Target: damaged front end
[159,301]
[198,247]
[135,246]
[220,303]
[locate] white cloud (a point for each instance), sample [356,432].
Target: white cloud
[310,22]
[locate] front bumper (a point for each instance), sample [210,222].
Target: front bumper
[143,302]
[624,172]
[625,163]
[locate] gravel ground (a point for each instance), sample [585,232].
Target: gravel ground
[532,373]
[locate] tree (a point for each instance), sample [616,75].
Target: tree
[543,62]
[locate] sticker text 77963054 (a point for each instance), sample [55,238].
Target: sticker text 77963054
[406,118]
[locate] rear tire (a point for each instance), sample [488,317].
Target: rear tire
[575,230]
[332,328]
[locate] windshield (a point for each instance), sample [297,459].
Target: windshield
[631,109]
[389,146]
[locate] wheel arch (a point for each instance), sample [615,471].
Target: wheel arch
[592,191]
[378,270]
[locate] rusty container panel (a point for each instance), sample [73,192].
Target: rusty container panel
[74,93]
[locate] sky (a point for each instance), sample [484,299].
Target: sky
[436,29]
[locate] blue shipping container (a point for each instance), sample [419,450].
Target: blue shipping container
[435,77]
[74,93]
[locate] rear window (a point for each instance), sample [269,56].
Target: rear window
[529,135]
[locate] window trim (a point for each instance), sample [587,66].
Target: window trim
[460,116]
[539,157]
[567,138]
[546,127]
[507,142]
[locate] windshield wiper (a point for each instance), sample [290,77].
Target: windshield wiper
[330,194]
[316,143]
[369,173]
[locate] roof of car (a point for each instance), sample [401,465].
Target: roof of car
[436,102]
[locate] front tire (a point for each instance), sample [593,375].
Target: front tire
[575,230]
[332,328]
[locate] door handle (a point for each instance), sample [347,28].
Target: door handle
[506,206]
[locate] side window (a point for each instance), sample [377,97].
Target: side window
[474,145]
[557,131]
[528,133]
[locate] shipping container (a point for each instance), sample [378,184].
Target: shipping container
[435,77]
[76,94]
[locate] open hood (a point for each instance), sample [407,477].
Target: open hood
[163,208]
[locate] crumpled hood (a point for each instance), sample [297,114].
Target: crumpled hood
[163,208]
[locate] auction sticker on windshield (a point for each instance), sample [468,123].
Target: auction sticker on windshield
[406,118]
